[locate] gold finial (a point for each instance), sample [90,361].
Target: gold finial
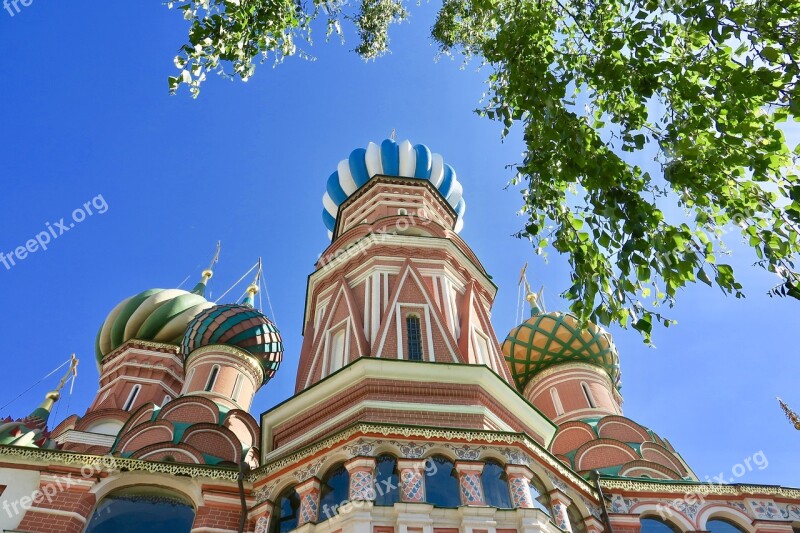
[392,134]
[252,289]
[209,272]
[534,299]
[53,396]
[791,415]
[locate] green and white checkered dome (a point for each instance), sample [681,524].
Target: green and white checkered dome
[549,339]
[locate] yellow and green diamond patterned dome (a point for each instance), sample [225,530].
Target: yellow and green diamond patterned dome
[549,339]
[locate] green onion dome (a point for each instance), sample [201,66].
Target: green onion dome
[549,339]
[241,326]
[159,315]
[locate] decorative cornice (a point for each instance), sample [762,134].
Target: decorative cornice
[564,367]
[387,430]
[142,344]
[108,463]
[698,488]
[248,360]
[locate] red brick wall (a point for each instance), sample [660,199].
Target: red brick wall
[395,390]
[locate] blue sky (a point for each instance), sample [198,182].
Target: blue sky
[85,112]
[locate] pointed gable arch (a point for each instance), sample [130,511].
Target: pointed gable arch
[414,291]
[342,311]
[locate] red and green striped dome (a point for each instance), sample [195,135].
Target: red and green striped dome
[238,325]
[549,339]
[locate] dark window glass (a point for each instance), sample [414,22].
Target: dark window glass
[387,481]
[718,525]
[335,491]
[212,378]
[414,339]
[133,512]
[441,483]
[654,525]
[495,486]
[287,509]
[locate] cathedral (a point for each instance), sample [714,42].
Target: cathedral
[409,415]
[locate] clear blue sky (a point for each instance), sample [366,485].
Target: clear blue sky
[85,112]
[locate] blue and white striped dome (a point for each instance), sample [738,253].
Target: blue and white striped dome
[391,159]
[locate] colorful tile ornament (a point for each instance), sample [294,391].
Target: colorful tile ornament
[362,486]
[261,525]
[520,492]
[309,507]
[411,487]
[560,516]
[471,490]
[790,512]
[765,509]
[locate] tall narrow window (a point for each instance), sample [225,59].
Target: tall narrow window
[334,491]
[414,339]
[441,484]
[237,388]
[212,378]
[495,485]
[337,351]
[167,399]
[387,481]
[556,401]
[588,393]
[285,512]
[132,397]
[482,350]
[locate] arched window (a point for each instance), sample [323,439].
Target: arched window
[588,393]
[719,525]
[132,397]
[237,388]
[575,519]
[441,482]
[541,500]
[556,401]
[414,338]
[142,509]
[212,378]
[335,491]
[337,351]
[285,512]
[402,211]
[655,525]
[495,485]
[387,481]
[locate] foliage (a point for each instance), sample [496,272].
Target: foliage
[701,86]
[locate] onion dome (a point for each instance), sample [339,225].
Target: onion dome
[159,315]
[549,339]
[31,431]
[241,326]
[391,159]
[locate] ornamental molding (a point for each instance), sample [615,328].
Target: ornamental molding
[484,439]
[563,367]
[111,464]
[246,359]
[699,488]
[171,349]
